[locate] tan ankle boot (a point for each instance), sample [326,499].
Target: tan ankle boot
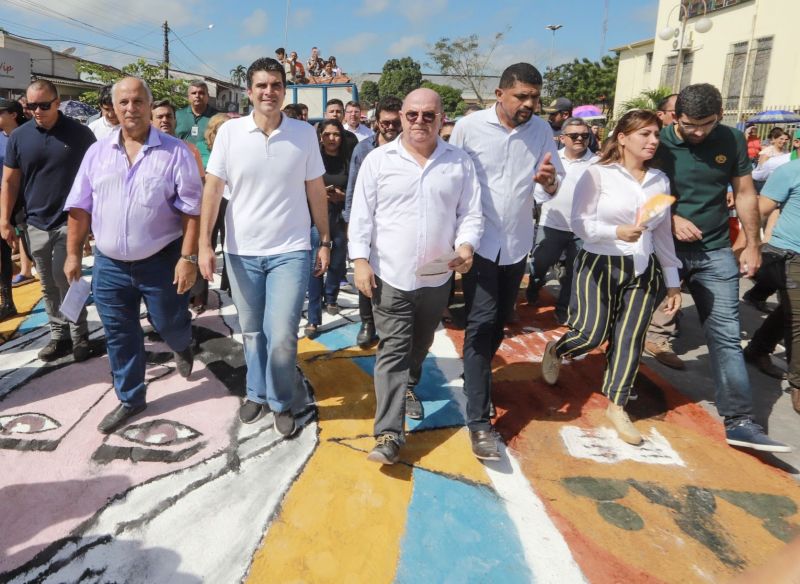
[623,425]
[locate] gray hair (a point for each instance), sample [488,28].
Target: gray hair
[142,81]
[198,83]
[573,121]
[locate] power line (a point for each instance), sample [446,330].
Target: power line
[195,55]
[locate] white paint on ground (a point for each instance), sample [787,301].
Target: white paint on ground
[546,552]
[604,445]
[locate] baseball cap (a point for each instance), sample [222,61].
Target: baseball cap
[10,105]
[562,104]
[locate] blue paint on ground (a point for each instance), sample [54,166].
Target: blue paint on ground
[35,319]
[450,519]
[340,338]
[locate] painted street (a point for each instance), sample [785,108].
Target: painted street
[186,493]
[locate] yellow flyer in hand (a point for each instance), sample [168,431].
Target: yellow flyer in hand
[653,209]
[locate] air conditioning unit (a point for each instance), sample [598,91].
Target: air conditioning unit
[687,43]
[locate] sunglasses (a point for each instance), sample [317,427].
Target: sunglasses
[427,117]
[582,136]
[390,123]
[44,106]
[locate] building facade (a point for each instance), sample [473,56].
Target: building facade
[747,53]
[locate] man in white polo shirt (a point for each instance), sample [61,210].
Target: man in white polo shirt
[513,150]
[273,168]
[416,199]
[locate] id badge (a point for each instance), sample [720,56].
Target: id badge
[195,131]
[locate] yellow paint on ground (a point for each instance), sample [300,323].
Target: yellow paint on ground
[25,298]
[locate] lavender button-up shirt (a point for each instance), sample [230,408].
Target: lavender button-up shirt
[136,208]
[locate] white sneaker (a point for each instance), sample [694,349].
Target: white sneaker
[623,425]
[551,364]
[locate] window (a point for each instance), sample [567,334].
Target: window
[686,69]
[648,62]
[698,7]
[668,71]
[734,75]
[757,72]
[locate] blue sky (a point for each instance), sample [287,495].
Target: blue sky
[362,34]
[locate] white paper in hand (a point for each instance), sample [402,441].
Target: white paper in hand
[438,266]
[75,299]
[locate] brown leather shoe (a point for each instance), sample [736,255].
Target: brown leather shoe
[764,363]
[663,353]
[796,400]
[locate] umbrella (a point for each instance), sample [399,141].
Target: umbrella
[587,111]
[77,109]
[774,117]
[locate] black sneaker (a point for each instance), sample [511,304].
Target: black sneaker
[414,408]
[250,412]
[747,434]
[117,417]
[81,350]
[386,450]
[55,349]
[284,423]
[484,445]
[184,361]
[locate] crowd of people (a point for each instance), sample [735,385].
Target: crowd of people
[412,202]
[315,70]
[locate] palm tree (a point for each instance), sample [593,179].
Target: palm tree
[646,99]
[238,75]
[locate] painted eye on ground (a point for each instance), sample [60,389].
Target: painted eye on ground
[159,433]
[27,423]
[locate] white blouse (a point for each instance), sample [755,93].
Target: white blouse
[606,196]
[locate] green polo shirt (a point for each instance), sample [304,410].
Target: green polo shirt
[186,121]
[699,176]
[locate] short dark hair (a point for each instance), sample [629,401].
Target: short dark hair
[301,106]
[292,110]
[390,103]
[280,51]
[473,107]
[662,105]
[104,97]
[163,103]
[45,84]
[698,101]
[522,72]
[334,101]
[265,64]
[573,121]
[352,104]
[448,124]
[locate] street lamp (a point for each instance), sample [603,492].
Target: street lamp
[553,28]
[703,25]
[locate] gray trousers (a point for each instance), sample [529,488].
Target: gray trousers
[49,251]
[406,323]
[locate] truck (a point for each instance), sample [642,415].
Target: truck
[316,95]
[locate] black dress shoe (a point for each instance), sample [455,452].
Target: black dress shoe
[484,445]
[184,361]
[117,417]
[414,409]
[55,349]
[366,335]
[386,450]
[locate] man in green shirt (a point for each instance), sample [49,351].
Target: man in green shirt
[192,120]
[701,158]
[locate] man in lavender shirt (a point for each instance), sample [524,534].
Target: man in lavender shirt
[139,189]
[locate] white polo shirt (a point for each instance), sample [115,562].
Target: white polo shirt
[404,215]
[506,162]
[557,211]
[607,196]
[362,132]
[267,210]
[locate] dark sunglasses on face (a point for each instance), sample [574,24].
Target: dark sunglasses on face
[44,106]
[582,136]
[390,123]
[427,117]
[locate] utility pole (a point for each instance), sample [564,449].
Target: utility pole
[166,49]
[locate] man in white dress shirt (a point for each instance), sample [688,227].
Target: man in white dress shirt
[352,121]
[513,150]
[416,199]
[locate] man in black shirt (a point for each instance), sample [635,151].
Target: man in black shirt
[41,162]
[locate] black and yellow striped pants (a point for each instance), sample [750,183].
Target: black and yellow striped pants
[609,302]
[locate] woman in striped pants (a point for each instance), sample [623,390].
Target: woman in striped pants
[621,273]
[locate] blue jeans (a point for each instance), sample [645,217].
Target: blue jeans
[268,292]
[118,288]
[713,281]
[335,274]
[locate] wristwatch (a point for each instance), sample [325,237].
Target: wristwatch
[328,244]
[192,259]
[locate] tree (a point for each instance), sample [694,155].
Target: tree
[583,81]
[369,94]
[648,99]
[239,75]
[171,89]
[399,77]
[451,97]
[463,59]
